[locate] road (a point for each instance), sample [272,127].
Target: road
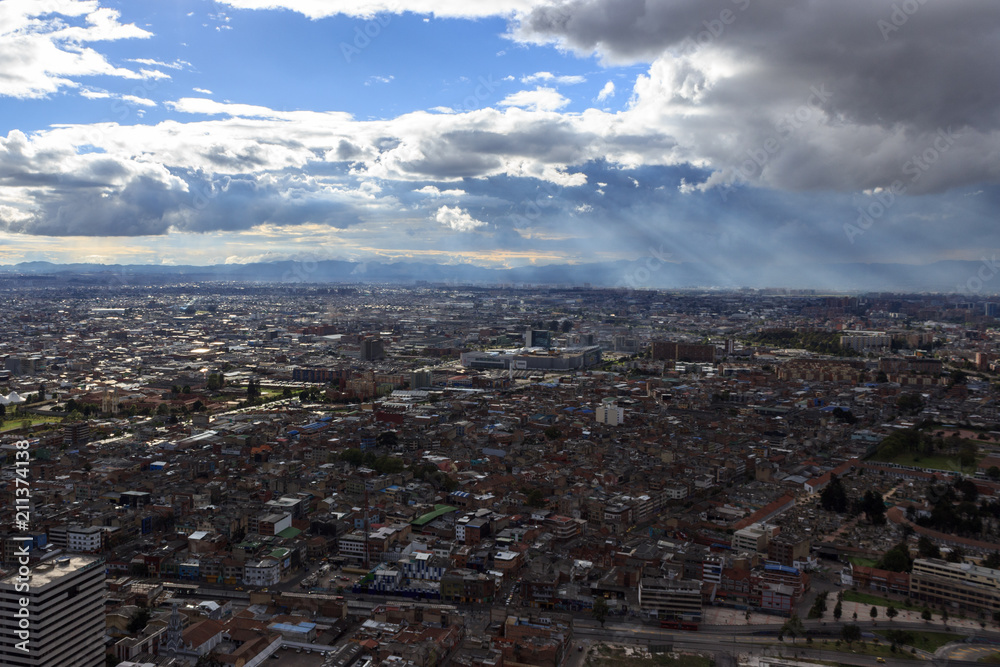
[727,644]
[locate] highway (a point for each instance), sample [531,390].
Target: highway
[725,644]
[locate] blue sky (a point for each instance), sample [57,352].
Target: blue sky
[733,133]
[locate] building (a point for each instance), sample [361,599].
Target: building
[76,434]
[537,338]
[865,341]
[562,359]
[677,599]
[467,586]
[673,351]
[65,614]
[754,538]
[372,349]
[608,412]
[963,586]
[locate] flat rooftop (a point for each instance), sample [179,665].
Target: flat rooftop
[52,570]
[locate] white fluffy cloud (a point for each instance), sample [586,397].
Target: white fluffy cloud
[317,9]
[41,52]
[457,219]
[539,99]
[549,77]
[607,92]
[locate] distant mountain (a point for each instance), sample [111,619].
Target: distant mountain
[970,278]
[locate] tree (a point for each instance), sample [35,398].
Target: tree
[926,548]
[137,622]
[992,560]
[286,392]
[955,555]
[553,433]
[926,614]
[600,611]
[896,559]
[993,472]
[833,498]
[566,326]
[186,389]
[838,611]
[536,498]
[850,633]
[891,612]
[793,626]
[874,612]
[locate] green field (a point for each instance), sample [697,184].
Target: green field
[865,648]
[12,423]
[868,598]
[863,562]
[991,659]
[932,641]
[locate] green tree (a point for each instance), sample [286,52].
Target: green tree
[897,559]
[850,633]
[553,433]
[186,389]
[891,612]
[833,498]
[874,612]
[926,614]
[838,610]
[926,548]
[993,472]
[137,622]
[536,498]
[600,611]
[992,560]
[793,626]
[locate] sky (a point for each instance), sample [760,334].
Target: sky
[502,133]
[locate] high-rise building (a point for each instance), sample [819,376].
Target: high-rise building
[63,625]
[372,349]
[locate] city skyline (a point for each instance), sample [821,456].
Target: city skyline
[732,136]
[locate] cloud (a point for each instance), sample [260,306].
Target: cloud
[43,45]
[607,92]
[539,99]
[177,64]
[379,79]
[318,9]
[203,91]
[433,191]
[550,77]
[457,219]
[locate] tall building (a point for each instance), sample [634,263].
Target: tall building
[372,349]
[966,587]
[65,615]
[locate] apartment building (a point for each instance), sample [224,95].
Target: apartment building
[65,614]
[964,586]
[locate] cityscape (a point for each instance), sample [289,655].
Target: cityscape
[506,333]
[388,475]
